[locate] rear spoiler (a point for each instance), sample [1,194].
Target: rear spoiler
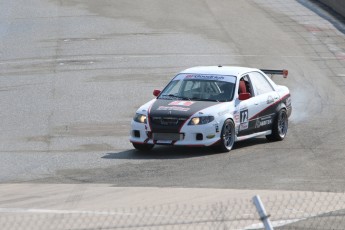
[283,72]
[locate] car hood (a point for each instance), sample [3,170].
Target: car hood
[178,108]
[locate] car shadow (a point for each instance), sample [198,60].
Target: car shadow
[179,152]
[250,142]
[162,152]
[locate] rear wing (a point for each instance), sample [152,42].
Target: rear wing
[272,72]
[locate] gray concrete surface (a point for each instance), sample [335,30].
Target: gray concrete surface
[103,206]
[72,74]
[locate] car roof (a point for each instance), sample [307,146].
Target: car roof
[219,70]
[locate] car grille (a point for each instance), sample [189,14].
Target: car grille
[167,136]
[168,121]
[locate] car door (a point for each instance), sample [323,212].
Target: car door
[265,102]
[245,109]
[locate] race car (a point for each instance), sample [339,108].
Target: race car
[214,106]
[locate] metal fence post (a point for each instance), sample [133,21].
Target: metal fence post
[262,213]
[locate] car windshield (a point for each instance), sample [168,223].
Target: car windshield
[200,87]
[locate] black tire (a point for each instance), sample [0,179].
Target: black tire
[143,147]
[227,137]
[280,127]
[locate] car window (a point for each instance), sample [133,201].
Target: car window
[200,87]
[247,84]
[173,87]
[191,85]
[260,83]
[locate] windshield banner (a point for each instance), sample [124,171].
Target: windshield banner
[206,77]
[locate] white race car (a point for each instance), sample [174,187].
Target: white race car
[213,106]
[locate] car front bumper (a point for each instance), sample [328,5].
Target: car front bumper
[189,135]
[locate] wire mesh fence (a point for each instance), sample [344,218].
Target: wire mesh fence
[287,211]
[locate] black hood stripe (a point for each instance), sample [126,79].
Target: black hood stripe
[178,108]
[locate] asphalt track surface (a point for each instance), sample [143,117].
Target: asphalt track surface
[73,73]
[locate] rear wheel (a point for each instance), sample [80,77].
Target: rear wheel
[280,127]
[143,147]
[227,136]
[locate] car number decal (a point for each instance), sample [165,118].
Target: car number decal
[244,119]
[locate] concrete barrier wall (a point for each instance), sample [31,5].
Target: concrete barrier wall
[337,5]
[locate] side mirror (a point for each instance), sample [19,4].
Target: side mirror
[156,92]
[285,73]
[244,96]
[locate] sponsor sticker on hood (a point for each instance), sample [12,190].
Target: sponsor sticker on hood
[183,103]
[176,108]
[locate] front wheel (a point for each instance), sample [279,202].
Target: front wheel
[143,147]
[280,127]
[227,136]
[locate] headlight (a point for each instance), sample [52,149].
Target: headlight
[141,118]
[201,120]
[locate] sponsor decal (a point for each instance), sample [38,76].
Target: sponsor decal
[243,126]
[176,108]
[237,116]
[244,119]
[267,120]
[257,123]
[205,77]
[182,103]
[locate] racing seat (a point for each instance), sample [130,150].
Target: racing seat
[242,88]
